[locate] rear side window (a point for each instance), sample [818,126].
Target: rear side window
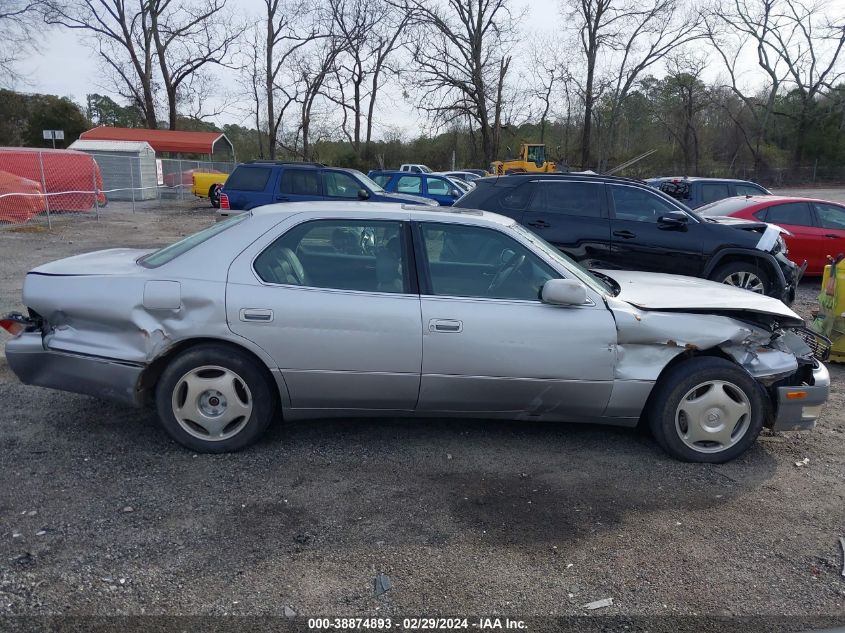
[516,199]
[302,182]
[365,255]
[568,198]
[712,191]
[409,184]
[248,179]
[796,213]
[381,179]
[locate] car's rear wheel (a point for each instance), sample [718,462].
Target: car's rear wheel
[214,399]
[214,196]
[706,409]
[745,275]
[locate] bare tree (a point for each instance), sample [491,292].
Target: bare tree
[630,36]
[461,63]
[312,66]
[123,31]
[369,32]
[143,42]
[18,22]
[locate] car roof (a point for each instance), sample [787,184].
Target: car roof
[517,178]
[700,179]
[354,208]
[293,163]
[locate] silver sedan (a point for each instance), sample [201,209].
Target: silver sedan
[325,309]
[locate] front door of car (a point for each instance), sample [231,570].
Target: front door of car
[339,185]
[640,241]
[440,189]
[572,216]
[299,185]
[831,220]
[333,302]
[490,345]
[808,241]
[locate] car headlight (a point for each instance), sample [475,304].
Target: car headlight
[781,246]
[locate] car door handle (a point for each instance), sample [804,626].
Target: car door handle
[540,224]
[445,325]
[256,315]
[624,234]
[831,236]
[282,199]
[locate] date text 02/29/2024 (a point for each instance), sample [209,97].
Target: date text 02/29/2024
[415,624]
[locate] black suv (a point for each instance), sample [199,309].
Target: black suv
[607,222]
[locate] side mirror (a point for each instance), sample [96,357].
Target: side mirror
[363,194]
[673,220]
[454,193]
[564,292]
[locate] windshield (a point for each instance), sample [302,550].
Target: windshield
[369,182]
[169,253]
[583,275]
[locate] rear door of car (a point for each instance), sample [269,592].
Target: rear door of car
[571,215]
[808,241]
[640,242]
[335,303]
[708,192]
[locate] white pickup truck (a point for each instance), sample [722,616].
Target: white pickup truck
[415,168]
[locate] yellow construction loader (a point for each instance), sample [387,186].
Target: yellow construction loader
[532,160]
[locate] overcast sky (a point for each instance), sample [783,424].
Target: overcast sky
[66,66]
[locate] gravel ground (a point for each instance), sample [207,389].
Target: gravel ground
[101,514]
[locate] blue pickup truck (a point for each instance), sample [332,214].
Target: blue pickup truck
[259,182]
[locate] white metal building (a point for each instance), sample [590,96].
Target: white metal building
[128,167]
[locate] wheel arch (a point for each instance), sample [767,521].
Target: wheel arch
[731,255]
[153,371]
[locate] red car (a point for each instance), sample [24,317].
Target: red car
[817,226]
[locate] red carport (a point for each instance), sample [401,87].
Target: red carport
[178,144]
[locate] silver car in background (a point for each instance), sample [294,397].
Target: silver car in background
[307,310]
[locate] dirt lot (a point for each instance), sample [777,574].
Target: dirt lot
[101,514]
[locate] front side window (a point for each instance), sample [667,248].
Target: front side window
[248,179]
[365,255]
[830,216]
[340,185]
[632,203]
[795,213]
[471,261]
[712,191]
[438,187]
[516,199]
[300,182]
[568,198]
[409,184]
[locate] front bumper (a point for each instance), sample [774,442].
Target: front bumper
[100,377]
[796,412]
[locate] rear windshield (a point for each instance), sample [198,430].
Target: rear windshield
[169,253]
[248,179]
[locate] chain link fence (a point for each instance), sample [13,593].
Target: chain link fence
[44,186]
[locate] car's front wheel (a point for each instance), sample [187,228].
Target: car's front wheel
[215,399]
[706,409]
[745,275]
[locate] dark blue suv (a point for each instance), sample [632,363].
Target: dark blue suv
[259,182]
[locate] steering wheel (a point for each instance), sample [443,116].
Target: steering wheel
[507,270]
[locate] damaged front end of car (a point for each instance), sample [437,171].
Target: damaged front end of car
[783,356]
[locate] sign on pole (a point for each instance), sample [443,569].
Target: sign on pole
[53,135]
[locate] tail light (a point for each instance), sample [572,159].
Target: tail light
[224,201]
[16,324]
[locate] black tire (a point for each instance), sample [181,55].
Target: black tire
[214,196]
[734,273]
[663,409]
[259,392]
